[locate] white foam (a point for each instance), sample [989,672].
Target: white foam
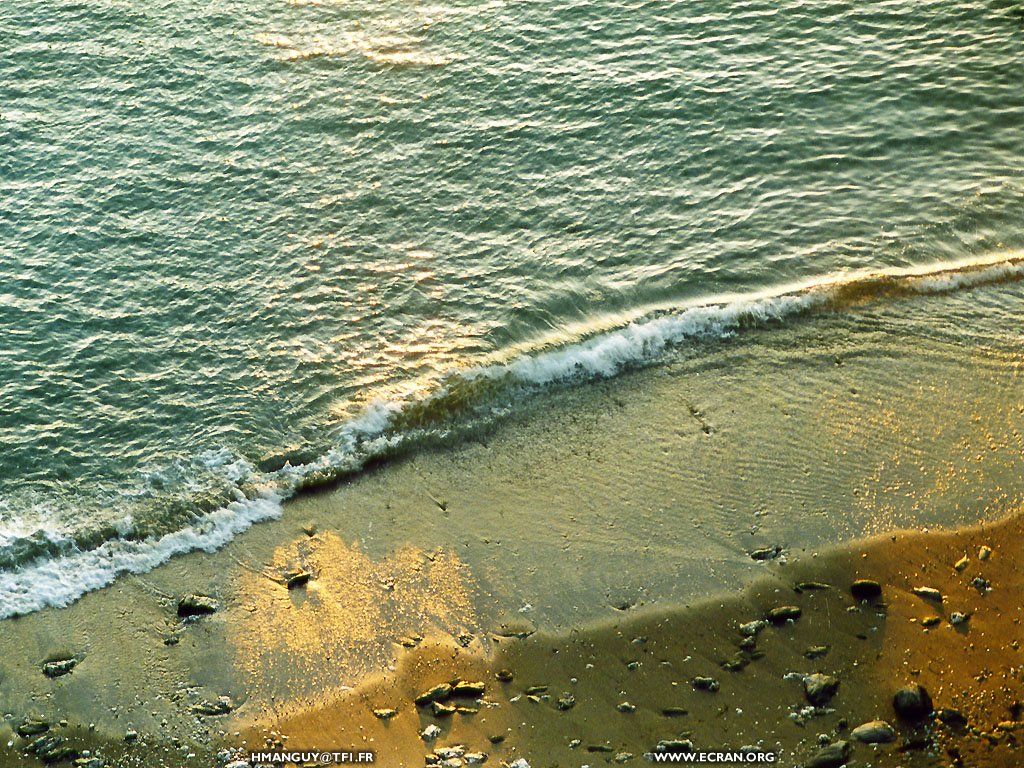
[60,581]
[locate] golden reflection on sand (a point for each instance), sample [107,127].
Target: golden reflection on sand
[346,621]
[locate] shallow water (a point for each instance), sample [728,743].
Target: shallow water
[226,230]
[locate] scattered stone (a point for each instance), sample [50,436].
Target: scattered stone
[962,563]
[930,621]
[566,701]
[503,676]
[466,709]
[446,753]
[475,758]
[221,706]
[32,726]
[625,707]
[816,651]
[673,746]
[674,712]
[767,553]
[834,755]
[984,553]
[865,589]
[197,605]
[439,692]
[928,593]
[466,688]
[536,690]
[958,618]
[751,628]
[748,643]
[736,664]
[623,757]
[704,684]
[384,714]
[874,732]
[982,585]
[806,586]
[912,702]
[519,628]
[430,733]
[297,579]
[519,763]
[131,736]
[91,762]
[441,710]
[951,717]
[819,688]
[784,613]
[59,668]
[496,738]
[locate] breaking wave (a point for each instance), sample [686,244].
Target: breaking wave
[41,568]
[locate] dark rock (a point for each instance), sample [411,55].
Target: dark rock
[566,701]
[930,621]
[866,589]
[441,710]
[503,676]
[981,584]
[874,732]
[912,702]
[384,714]
[816,651]
[197,605]
[784,613]
[297,579]
[834,755]
[467,688]
[768,553]
[439,692]
[536,690]
[673,746]
[819,689]
[59,668]
[674,712]
[704,684]
[953,718]
[807,586]
[32,726]
[625,707]
[928,593]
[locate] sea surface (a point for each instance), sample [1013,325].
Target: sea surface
[247,247]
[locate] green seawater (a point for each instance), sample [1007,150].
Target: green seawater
[228,228]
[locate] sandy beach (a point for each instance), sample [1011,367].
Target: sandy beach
[587,562]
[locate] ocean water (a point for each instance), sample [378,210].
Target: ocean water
[244,248]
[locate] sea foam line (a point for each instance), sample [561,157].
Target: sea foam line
[60,580]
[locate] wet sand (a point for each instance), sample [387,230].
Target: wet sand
[612,691]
